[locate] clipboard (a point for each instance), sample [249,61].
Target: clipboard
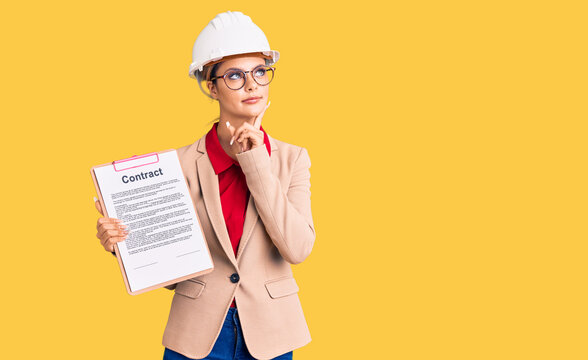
[137,161]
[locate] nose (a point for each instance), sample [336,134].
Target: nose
[250,83]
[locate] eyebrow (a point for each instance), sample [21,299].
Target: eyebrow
[233,68]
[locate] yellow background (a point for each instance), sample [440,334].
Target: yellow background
[448,149]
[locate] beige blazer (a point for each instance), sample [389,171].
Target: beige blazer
[278,231]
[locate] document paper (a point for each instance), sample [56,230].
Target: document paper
[151,197]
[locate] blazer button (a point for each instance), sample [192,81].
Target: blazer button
[234,277]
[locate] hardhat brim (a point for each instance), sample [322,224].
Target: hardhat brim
[272,55]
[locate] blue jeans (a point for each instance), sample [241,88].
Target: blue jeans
[229,344]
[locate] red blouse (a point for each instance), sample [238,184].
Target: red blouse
[234,194]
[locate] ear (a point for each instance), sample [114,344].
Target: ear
[212,90]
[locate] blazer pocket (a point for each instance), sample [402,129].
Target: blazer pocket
[281,287]
[191,288]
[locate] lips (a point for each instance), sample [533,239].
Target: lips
[254,98]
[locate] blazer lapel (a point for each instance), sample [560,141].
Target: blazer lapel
[251,215]
[211,196]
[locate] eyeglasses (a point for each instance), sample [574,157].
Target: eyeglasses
[235,78]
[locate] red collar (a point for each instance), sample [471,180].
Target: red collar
[218,157]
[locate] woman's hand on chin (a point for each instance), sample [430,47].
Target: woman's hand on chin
[248,136]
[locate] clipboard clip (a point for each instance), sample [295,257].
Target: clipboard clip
[135,161]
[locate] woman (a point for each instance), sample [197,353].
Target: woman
[252,196]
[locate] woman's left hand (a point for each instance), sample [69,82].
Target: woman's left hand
[249,136]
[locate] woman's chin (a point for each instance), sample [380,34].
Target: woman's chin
[252,110]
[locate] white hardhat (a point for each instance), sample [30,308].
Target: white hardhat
[229,33]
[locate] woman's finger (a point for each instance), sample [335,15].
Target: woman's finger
[247,132]
[111,233]
[231,129]
[256,137]
[242,135]
[246,143]
[257,122]
[246,128]
[247,136]
[102,230]
[240,130]
[108,220]
[110,244]
[110,230]
[107,223]
[108,239]
[98,206]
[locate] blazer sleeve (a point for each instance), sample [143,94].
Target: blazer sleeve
[287,216]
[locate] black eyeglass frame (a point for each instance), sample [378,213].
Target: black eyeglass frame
[245,76]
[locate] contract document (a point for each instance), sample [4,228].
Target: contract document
[150,195]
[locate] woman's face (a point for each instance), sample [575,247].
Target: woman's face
[231,101]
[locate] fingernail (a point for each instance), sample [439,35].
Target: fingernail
[228,125]
[232,138]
